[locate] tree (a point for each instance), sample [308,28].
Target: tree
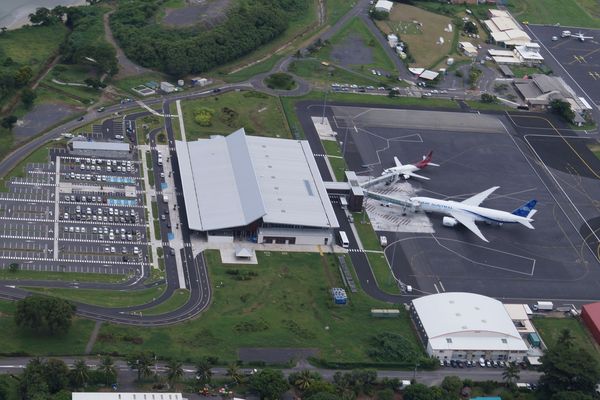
[94,83]
[319,386]
[56,374]
[568,369]
[488,98]
[304,379]
[233,371]
[174,372]
[511,374]
[203,371]
[385,394]
[107,367]
[42,16]
[43,314]
[269,383]
[80,374]
[380,15]
[563,109]
[28,96]
[9,122]
[571,396]
[23,75]
[13,268]
[470,27]
[566,338]
[323,396]
[418,391]
[33,383]
[142,363]
[452,385]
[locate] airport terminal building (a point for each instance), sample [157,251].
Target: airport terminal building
[262,189]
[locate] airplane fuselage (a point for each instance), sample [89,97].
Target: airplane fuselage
[401,170]
[481,214]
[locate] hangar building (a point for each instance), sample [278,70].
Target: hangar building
[264,189]
[466,326]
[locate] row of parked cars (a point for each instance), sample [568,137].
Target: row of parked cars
[468,363]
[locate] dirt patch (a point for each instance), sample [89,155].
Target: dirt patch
[275,355]
[206,12]
[40,118]
[352,51]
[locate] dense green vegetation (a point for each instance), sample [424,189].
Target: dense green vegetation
[86,43]
[179,52]
[104,298]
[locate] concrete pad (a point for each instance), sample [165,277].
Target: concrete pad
[228,257]
[323,128]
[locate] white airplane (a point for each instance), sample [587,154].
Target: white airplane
[467,212]
[581,36]
[407,170]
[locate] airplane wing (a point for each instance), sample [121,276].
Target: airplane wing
[468,222]
[409,174]
[480,197]
[398,163]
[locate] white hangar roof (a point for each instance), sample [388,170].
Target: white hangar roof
[467,321]
[235,180]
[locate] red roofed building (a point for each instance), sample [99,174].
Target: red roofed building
[590,313]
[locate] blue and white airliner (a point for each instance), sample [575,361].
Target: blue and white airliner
[467,212]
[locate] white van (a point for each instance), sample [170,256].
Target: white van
[344,239]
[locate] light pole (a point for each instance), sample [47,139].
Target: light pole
[324,104]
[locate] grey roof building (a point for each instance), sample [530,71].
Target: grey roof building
[236,181]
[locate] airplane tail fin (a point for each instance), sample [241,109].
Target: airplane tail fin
[426,161]
[398,163]
[526,210]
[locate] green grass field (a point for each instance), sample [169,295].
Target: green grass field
[20,341]
[287,304]
[323,75]
[367,235]
[177,300]
[32,46]
[478,105]
[381,270]
[595,149]
[249,72]
[566,12]
[421,40]
[337,8]
[105,298]
[338,164]
[39,155]
[60,276]
[357,28]
[257,113]
[550,329]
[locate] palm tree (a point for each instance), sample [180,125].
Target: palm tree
[304,380]
[174,371]
[233,371]
[143,363]
[107,367]
[80,373]
[511,373]
[203,372]
[566,338]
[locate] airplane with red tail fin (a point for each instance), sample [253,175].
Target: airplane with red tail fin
[408,170]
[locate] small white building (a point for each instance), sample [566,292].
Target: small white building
[167,87]
[467,326]
[468,49]
[529,54]
[384,5]
[200,81]
[392,40]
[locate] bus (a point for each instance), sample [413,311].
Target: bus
[344,240]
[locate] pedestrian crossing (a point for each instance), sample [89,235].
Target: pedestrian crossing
[356,251]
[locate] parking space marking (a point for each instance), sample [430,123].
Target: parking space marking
[56,208]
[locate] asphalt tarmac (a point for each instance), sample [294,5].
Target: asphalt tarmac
[556,261]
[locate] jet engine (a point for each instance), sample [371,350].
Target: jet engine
[449,221]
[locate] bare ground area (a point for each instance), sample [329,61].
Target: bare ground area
[126,66]
[352,51]
[206,12]
[41,117]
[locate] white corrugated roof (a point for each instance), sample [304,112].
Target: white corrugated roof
[502,53]
[504,23]
[235,180]
[112,146]
[384,5]
[506,60]
[458,320]
[429,75]
[124,396]
[498,13]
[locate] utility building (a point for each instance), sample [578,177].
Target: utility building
[466,326]
[264,189]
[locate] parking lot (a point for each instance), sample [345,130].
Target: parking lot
[476,152]
[580,59]
[75,214]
